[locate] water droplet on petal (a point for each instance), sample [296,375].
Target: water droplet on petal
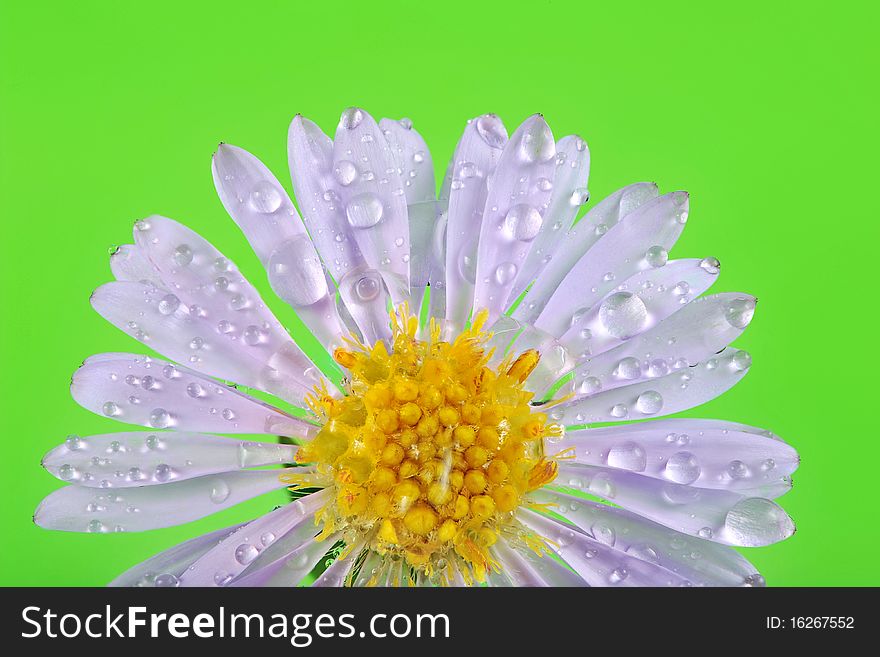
[166,580]
[110,408]
[740,312]
[682,468]
[367,288]
[265,197]
[245,553]
[491,129]
[160,418]
[505,272]
[219,492]
[351,118]
[623,314]
[523,222]
[168,304]
[656,256]
[182,255]
[628,456]
[649,402]
[710,265]
[364,210]
[345,172]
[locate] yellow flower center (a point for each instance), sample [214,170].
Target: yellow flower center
[431,450]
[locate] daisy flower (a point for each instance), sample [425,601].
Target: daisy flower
[496,359]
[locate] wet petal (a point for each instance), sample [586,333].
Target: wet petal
[638,304]
[139,458]
[261,208]
[165,568]
[427,230]
[373,198]
[526,568]
[156,394]
[413,158]
[128,263]
[568,195]
[578,240]
[615,257]
[680,390]
[596,562]
[706,453]
[337,572]
[514,212]
[722,516]
[292,522]
[310,154]
[690,336]
[255,355]
[364,293]
[82,509]
[475,159]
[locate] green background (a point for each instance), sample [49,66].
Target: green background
[110,112]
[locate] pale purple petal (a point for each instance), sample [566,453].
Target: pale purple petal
[427,231]
[411,154]
[165,568]
[141,458]
[337,573]
[578,240]
[680,390]
[690,336]
[596,562]
[705,453]
[128,263]
[261,208]
[317,189]
[702,562]
[292,524]
[156,394]
[374,201]
[568,195]
[515,208]
[544,566]
[232,349]
[475,159]
[364,293]
[290,570]
[509,337]
[94,510]
[619,254]
[638,304]
[719,515]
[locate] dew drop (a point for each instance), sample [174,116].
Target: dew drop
[649,402]
[623,314]
[183,255]
[628,456]
[505,272]
[710,265]
[351,118]
[219,492]
[364,210]
[245,553]
[345,172]
[492,131]
[265,197]
[656,256]
[740,312]
[523,222]
[168,304]
[682,468]
[160,418]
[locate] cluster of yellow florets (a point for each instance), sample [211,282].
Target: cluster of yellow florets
[431,450]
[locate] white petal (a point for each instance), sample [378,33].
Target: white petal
[568,195]
[476,156]
[722,516]
[708,453]
[525,568]
[693,334]
[617,256]
[578,240]
[678,391]
[154,393]
[139,458]
[374,201]
[228,347]
[129,263]
[165,568]
[619,316]
[261,208]
[515,208]
[310,153]
[82,509]
[427,230]
[714,565]
[231,556]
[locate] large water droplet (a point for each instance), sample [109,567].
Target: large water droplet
[364,210]
[219,491]
[182,255]
[741,360]
[629,456]
[351,118]
[367,288]
[110,408]
[166,580]
[296,274]
[245,553]
[682,468]
[505,272]
[168,304]
[345,172]
[628,368]
[537,143]
[740,312]
[160,418]
[656,256]
[522,222]
[492,130]
[623,314]
[710,265]
[756,521]
[649,402]
[265,197]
